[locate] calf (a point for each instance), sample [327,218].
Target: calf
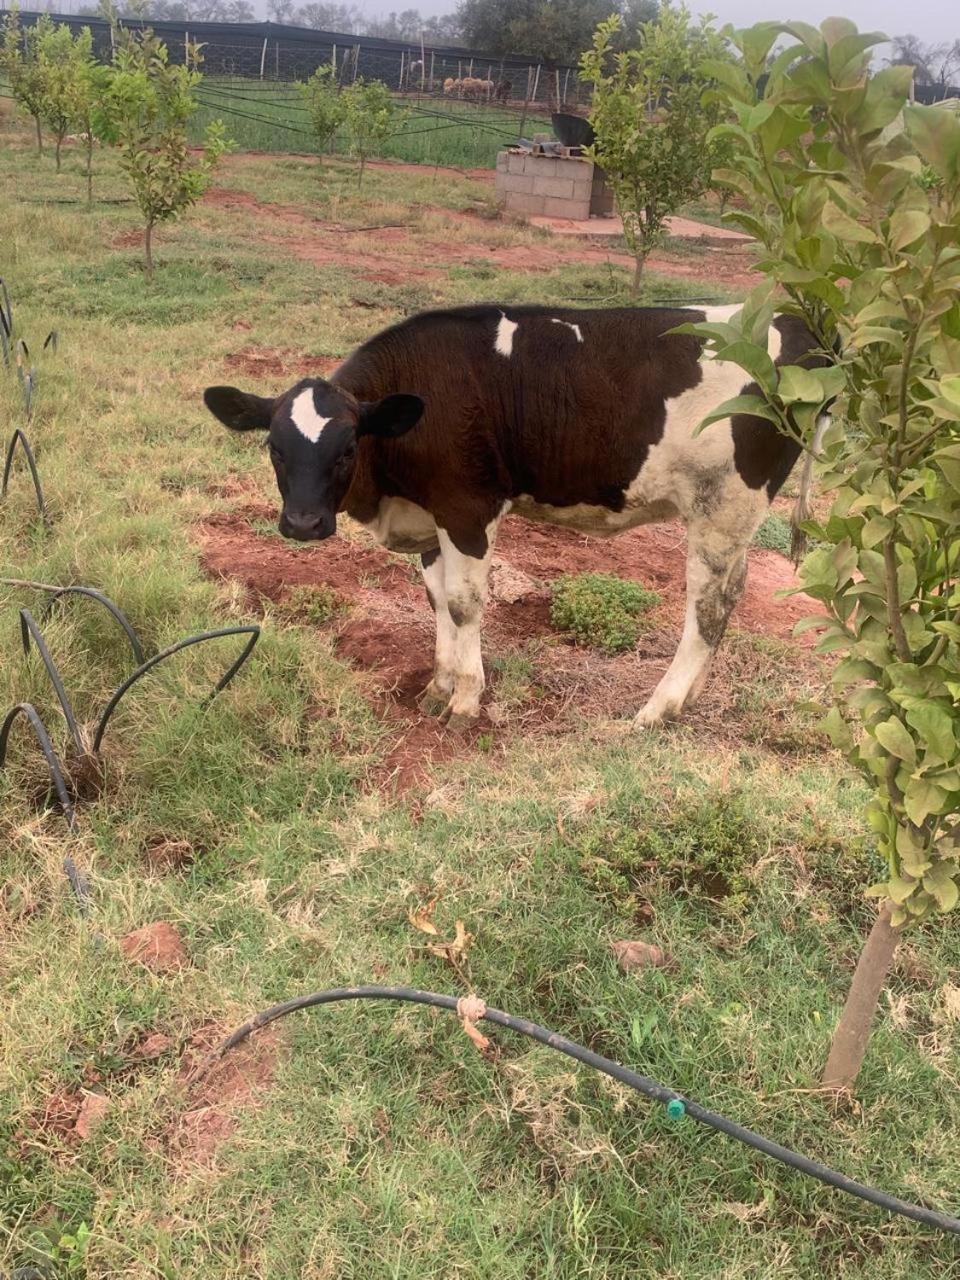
[582,418]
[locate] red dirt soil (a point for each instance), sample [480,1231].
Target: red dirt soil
[218,1088]
[333,244]
[389,630]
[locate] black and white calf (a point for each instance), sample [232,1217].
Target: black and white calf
[435,429]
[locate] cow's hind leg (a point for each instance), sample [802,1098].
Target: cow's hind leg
[716,572]
[437,694]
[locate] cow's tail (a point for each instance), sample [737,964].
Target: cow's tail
[801,509]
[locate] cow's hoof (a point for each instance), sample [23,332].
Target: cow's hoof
[649,716]
[459,721]
[432,702]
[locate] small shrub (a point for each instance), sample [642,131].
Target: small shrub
[327,108]
[707,849]
[312,605]
[774,535]
[600,609]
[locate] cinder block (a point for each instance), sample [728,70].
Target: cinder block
[578,210]
[582,189]
[521,182]
[542,166]
[517,202]
[503,159]
[556,188]
[516,163]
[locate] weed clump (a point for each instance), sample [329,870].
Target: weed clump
[707,848]
[314,605]
[600,609]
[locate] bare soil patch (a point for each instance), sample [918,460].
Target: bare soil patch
[262,362]
[389,631]
[217,1089]
[335,244]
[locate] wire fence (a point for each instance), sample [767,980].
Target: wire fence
[269,51]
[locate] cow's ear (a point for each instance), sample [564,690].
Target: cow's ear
[393,416]
[239,410]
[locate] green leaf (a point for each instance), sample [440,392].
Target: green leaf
[922,798]
[907,226]
[753,358]
[936,135]
[900,888]
[934,723]
[844,227]
[875,530]
[940,883]
[895,739]
[799,385]
[756,406]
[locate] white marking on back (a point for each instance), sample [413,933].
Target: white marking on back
[305,417]
[574,327]
[505,331]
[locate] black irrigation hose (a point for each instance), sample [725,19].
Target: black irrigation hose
[29,630]
[677,1105]
[113,609]
[18,437]
[252,630]
[75,877]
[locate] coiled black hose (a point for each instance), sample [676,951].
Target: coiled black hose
[677,1106]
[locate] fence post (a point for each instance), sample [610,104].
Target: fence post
[433,83]
[356,62]
[263,56]
[566,81]
[536,84]
[423,63]
[400,85]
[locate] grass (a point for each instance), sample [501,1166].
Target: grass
[372,1141]
[271,117]
[600,609]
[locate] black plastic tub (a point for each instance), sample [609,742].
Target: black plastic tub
[573,131]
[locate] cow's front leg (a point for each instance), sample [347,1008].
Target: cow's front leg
[465,579]
[716,573]
[437,694]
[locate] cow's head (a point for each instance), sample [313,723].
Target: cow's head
[314,429]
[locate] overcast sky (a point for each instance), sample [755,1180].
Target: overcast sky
[931,20]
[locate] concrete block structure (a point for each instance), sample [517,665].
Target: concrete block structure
[552,186]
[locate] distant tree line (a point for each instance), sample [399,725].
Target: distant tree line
[555,32]
[936,65]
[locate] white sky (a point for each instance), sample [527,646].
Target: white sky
[932,21]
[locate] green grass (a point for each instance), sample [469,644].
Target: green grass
[380,1144]
[600,609]
[774,535]
[270,116]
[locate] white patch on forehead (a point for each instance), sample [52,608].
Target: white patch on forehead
[504,340]
[574,327]
[305,418]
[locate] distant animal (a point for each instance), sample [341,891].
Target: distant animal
[472,87]
[450,86]
[431,432]
[503,90]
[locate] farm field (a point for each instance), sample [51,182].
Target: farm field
[309,828]
[265,115]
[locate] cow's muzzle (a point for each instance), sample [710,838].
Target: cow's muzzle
[307,526]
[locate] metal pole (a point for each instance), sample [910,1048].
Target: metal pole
[423,63]
[432,79]
[263,56]
[566,82]
[536,84]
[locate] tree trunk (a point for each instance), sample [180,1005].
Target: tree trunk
[57,152]
[147,249]
[853,1030]
[363,161]
[89,168]
[36,120]
[638,266]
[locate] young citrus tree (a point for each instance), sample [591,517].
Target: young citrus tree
[834,166]
[323,100]
[145,113]
[63,63]
[370,115]
[20,62]
[652,120]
